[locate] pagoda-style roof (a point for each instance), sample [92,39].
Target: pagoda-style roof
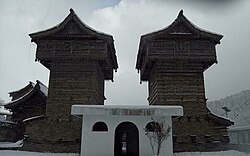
[4,112]
[177,36]
[38,87]
[73,29]
[182,26]
[82,31]
[19,93]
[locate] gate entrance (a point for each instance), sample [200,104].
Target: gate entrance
[126,140]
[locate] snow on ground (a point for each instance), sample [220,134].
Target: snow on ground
[222,153]
[11,144]
[23,153]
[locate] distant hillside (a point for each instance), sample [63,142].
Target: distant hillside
[239,104]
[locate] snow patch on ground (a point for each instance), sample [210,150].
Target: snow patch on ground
[221,153]
[11,144]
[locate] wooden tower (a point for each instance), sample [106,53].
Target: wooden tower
[173,60]
[80,59]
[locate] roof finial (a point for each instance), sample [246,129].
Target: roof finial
[181,12]
[71,10]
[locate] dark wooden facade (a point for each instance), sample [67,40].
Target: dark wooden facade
[27,103]
[173,60]
[80,59]
[8,131]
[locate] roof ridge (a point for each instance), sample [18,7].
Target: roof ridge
[30,83]
[38,85]
[75,17]
[180,17]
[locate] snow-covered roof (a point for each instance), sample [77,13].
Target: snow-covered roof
[4,112]
[181,18]
[220,119]
[7,121]
[39,86]
[32,84]
[139,110]
[33,118]
[21,98]
[239,128]
[61,25]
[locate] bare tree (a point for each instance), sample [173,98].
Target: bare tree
[157,132]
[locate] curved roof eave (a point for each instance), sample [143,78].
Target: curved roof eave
[37,87]
[220,119]
[203,33]
[80,23]
[31,84]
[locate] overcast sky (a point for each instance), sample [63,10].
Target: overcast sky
[126,21]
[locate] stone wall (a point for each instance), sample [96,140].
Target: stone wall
[182,83]
[74,82]
[169,87]
[8,133]
[71,82]
[199,134]
[37,132]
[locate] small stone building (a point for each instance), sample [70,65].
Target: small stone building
[115,130]
[172,61]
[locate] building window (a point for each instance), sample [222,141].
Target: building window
[153,127]
[100,127]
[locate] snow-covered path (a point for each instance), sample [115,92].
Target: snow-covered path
[22,153]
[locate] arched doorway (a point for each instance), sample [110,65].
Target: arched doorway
[126,140]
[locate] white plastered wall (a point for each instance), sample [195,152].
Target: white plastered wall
[102,143]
